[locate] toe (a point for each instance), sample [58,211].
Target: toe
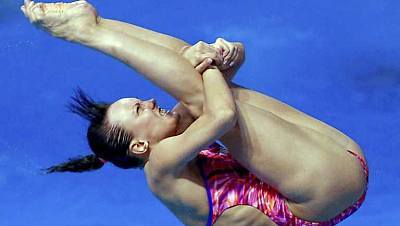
[30,5]
[26,3]
[37,9]
[23,9]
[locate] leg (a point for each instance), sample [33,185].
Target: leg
[153,37]
[314,172]
[289,113]
[78,22]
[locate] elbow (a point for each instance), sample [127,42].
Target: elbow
[227,117]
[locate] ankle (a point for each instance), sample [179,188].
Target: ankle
[98,36]
[87,34]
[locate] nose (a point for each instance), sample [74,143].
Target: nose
[151,103]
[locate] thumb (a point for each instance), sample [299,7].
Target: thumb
[203,65]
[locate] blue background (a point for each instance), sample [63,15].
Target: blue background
[335,60]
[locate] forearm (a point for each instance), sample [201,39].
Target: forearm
[219,116]
[218,97]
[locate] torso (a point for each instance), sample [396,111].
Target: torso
[193,209]
[189,203]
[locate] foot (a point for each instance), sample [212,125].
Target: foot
[71,21]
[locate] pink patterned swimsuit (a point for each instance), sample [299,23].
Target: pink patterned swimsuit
[229,184]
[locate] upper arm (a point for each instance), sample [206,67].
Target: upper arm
[174,153]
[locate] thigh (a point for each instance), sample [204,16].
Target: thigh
[287,113]
[293,159]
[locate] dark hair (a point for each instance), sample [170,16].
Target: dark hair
[108,142]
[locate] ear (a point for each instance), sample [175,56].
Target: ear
[138,147]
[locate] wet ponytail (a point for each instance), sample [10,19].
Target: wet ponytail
[77,165]
[108,143]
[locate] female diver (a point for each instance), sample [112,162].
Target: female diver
[283,166]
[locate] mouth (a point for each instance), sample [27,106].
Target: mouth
[163,112]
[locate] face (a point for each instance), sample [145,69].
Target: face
[144,119]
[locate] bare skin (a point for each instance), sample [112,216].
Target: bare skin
[297,154]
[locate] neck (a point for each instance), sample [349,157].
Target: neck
[184,122]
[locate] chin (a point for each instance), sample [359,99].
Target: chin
[175,117]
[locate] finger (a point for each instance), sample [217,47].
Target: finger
[31,4]
[227,50]
[203,65]
[37,10]
[29,9]
[235,59]
[232,56]
[218,43]
[222,42]
[217,58]
[229,57]
[219,49]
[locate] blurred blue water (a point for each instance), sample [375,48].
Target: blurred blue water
[335,60]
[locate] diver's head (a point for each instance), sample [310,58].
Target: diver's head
[145,122]
[125,131]
[122,133]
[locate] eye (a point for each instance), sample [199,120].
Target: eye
[136,108]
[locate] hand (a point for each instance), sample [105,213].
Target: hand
[200,54]
[230,52]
